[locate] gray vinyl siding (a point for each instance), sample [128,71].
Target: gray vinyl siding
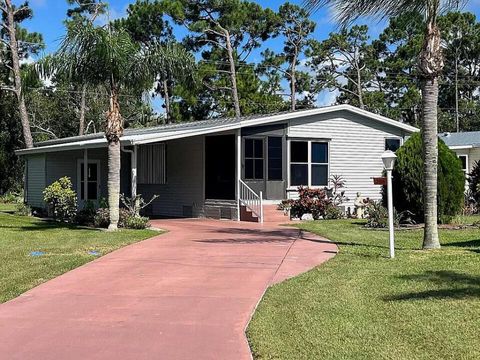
[356,144]
[184,187]
[60,164]
[35,180]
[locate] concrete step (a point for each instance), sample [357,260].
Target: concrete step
[247,215]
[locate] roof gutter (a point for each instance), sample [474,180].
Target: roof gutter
[67,147]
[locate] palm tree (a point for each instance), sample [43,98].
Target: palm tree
[430,65]
[107,56]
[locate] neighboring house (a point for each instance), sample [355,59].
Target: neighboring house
[207,168]
[466,145]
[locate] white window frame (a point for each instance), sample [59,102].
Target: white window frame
[466,170]
[392,138]
[80,180]
[309,163]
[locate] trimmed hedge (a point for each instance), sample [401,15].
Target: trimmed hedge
[408,180]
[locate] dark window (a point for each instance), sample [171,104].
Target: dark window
[392,144]
[92,181]
[275,158]
[463,159]
[254,160]
[152,164]
[299,151]
[299,174]
[319,175]
[320,153]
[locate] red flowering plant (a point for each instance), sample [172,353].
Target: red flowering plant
[310,201]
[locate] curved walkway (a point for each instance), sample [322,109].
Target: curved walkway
[188,294]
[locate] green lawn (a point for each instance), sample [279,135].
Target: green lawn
[7,207]
[65,248]
[362,305]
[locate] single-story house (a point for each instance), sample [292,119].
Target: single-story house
[466,145]
[220,168]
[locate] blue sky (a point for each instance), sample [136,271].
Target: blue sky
[50,14]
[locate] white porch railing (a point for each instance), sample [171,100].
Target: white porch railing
[251,200]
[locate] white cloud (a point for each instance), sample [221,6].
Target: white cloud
[327,97]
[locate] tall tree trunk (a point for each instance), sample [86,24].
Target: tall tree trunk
[114,130]
[430,167]
[27,135]
[166,96]
[233,75]
[293,84]
[430,66]
[81,127]
[359,88]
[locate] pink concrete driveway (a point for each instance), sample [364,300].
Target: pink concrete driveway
[188,294]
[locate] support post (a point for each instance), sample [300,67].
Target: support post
[390,214]
[134,174]
[85,177]
[239,169]
[261,207]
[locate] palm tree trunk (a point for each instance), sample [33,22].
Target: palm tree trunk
[430,65]
[81,128]
[430,167]
[113,133]
[22,108]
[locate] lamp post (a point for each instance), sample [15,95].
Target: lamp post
[388,158]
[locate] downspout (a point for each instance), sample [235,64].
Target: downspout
[133,166]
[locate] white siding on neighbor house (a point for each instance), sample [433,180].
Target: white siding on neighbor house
[184,187]
[356,144]
[473,156]
[35,180]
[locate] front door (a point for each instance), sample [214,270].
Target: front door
[93,182]
[220,167]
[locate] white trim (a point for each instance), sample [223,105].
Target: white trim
[179,133]
[461,147]
[467,159]
[309,164]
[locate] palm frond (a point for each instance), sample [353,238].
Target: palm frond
[347,11]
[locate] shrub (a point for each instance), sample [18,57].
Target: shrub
[102,218]
[136,222]
[10,198]
[408,180]
[86,216]
[377,215]
[310,201]
[333,213]
[474,182]
[61,199]
[23,209]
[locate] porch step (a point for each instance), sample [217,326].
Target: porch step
[271,214]
[220,209]
[247,215]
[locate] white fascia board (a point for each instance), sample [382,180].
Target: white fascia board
[461,147]
[78,145]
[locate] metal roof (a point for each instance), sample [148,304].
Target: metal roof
[467,139]
[183,130]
